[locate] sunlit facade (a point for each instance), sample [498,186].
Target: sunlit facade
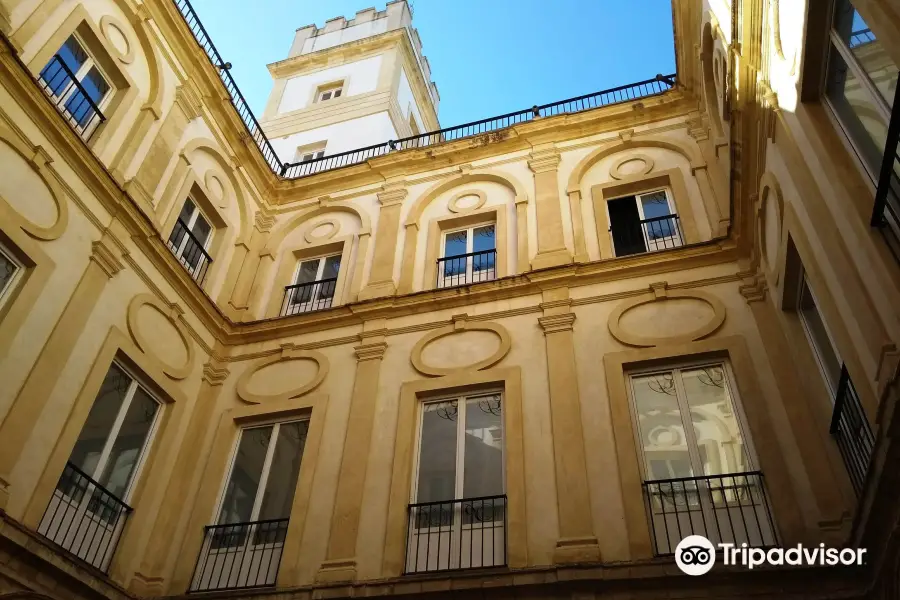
[339,349]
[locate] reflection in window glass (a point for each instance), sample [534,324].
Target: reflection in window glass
[284,471]
[126,448]
[869,51]
[437,452]
[240,494]
[86,453]
[483,461]
[714,423]
[661,427]
[455,243]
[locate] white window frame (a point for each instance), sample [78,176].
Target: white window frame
[813,345]
[315,294]
[308,155]
[470,275]
[18,273]
[684,409]
[333,91]
[179,251]
[673,210]
[89,63]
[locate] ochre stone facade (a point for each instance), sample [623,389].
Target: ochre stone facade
[546,336]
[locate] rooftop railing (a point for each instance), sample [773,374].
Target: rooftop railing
[295,170]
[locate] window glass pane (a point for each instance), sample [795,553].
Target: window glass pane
[243,483]
[80,108]
[201,230]
[337,93]
[308,271]
[72,54]
[455,243]
[283,473]
[483,458]
[187,211]
[129,444]
[869,51]
[484,238]
[821,343]
[437,452]
[655,205]
[95,85]
[715,424]
[332,267]
[660,425]
[857,111]
[8,270]
[86,453]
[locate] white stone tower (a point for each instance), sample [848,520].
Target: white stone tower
[351,84]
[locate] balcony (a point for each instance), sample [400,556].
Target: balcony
[852,432]
[463,269]
[646,235]
[84,518]
[308,297]
[70,97]
[886,212]
[189,251]
[239,556]
[732,508]
[456,534]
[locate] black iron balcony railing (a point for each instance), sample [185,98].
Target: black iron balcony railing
[647,235]
[239,556]
[84,518]
[70,97]
[464,269]
[625,93]
[237,98]
[852,432]
[732,508]
[189,251]
[886,212]
[456,534]
[308,297]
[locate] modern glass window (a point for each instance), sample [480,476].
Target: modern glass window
[643,223]
[264,473]
[117,433]
[329,93]
[77,64]
[820,339]
[687,422]
[860,83]
[314,284]
[468,255]
[458,513]
[190,238]
[11,271]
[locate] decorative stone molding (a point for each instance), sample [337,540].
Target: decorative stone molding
[460,324]
[557,323]
[288,353]
[106,258]
[770,205]
[215,372]
[542,161]
[172,313]
[615,170]
[372,351]
[311,237]
[112,29]
[454,207]
[754,288]
[392,193]
[659,292]
[187,98]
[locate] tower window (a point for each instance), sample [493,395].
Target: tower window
[329,92]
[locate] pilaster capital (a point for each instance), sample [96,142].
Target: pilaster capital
[263,221]
[754,287]
[370,351]
[392,193]
[557,323]
[215,372]
[106,257]
[542,161]
[188,100]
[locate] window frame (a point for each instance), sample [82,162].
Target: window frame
[681,398]
[320,271]
[813,345]
[673,212]
[195,214]
[334,90]
[471,275]
[89,63]
[7,291]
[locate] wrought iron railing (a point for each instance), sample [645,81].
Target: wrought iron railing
[464,269]
[84,518]
[649,235]
[852,432]
[456,534]
[189,251]
[70,97]
[308,297]
[886,212]
[625,93]
[732,508]
[239,556]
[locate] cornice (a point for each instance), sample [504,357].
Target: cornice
[557,323]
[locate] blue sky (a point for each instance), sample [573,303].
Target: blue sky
[487,57]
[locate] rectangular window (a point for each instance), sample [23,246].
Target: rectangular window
[329,92]
[244,548]
[88,508]
[77,85]
[190,239]
[468,255]
[698,473]
[314,285]
[458,518]
[644,223]
[11,271]
[820,340]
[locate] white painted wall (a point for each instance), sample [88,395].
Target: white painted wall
[348,135]
[407,101]
[344,36]
[361,77]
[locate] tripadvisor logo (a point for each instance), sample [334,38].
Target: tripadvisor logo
[696,555]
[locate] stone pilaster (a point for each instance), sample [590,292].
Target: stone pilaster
[551,251]
[247,259]
[577,542]
[381,277]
